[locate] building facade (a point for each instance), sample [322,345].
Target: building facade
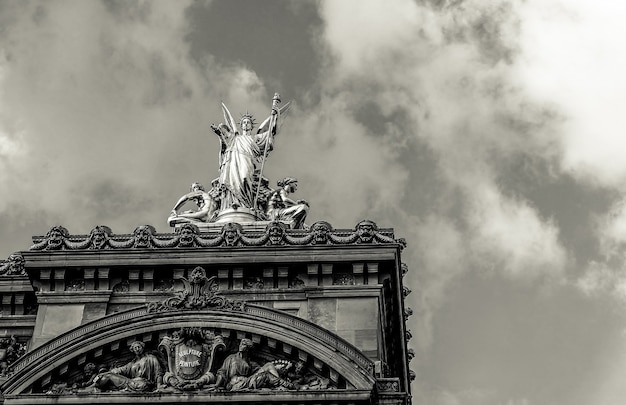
[237,313]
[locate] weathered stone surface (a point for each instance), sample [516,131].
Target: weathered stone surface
[334,327]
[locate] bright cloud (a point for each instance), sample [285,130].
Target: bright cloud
[447,72]
[607,275]
[85,83]
[573,57]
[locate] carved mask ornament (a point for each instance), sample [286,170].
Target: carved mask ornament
[320,232]
[56,237]
[143,235]
[187,235]
[99,237]
[276,233]
[230,233]
[365,231]
[14,265]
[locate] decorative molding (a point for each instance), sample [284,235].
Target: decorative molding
[77,284]
[410,354]
[231,234]
[10,351]
[343,279]
[296,282]
[405,268]
[388,385]
[199,292]
[13,266]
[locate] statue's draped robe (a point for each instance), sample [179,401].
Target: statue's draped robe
[281,209]
[241,374]
[239,161]
[139,375]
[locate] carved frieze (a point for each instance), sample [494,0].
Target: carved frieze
[231,235]
[193,359]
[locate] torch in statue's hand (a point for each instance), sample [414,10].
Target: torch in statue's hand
[275,102]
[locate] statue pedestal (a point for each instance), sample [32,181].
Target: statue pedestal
[240,215]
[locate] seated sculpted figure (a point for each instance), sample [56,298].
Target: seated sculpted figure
[207,206]
[282,208]
[141,374]
[239,372]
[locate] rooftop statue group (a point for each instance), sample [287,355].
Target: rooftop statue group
[241,193]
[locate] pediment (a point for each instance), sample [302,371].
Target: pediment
[57,367]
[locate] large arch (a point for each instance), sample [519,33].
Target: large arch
[335,353]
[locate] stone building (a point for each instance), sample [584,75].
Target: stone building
[236,305]
[325,306]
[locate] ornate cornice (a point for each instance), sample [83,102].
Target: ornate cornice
[230,235]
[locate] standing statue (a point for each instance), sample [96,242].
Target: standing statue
[243,153]
[241,194]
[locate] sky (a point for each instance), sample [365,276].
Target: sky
[488,134]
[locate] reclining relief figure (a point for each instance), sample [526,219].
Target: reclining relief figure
[141,374]
[240,373]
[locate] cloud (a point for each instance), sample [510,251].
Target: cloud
[612,389]
[574,58]
[102,108]
[357,171]
[442,78]
[611,230]
[602,279]
[607,274]
[510,233]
